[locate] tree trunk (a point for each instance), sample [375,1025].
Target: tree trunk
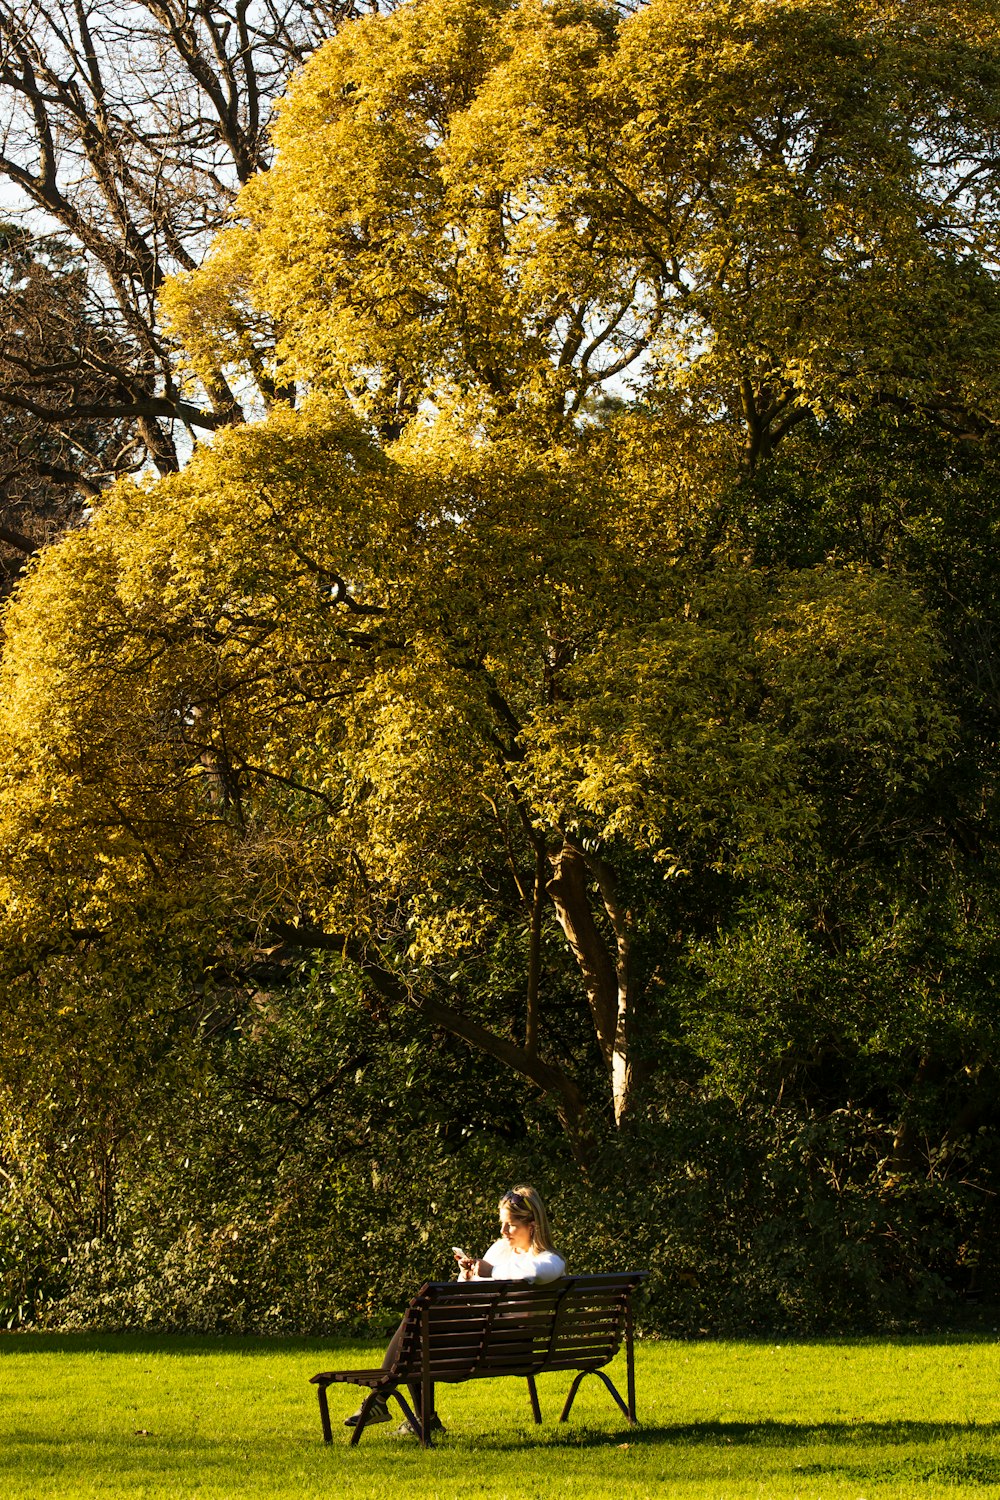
[549,1077]
[606,974]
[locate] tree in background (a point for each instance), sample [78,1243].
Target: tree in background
[597,661]
[47,472]
[383,769]
[129,131]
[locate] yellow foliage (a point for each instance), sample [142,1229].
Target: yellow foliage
[365,669]
[495,209]
[315,685]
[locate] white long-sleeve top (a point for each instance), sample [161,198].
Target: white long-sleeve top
[522,1265]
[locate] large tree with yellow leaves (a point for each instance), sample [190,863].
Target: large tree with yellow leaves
[417,712]
[468,667]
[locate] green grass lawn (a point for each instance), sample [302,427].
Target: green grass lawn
[123,1415]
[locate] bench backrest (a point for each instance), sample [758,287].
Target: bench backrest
[467,1330]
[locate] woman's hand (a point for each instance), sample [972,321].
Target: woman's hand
[466,1264]
[474,1270]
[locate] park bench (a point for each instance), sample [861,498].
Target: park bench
[455,1331]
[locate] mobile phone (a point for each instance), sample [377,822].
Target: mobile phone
[462,1254]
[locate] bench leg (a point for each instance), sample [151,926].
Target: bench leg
[536,1410]
[359,1425]
[324,1414]
[629,1417]
[408,1413]
[630,1364]
[426,1383]
[412,1420]
[426,1409]
[571,1396]
[621,1404]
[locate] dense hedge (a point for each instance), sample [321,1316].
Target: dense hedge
[306,1169]
[747,1220]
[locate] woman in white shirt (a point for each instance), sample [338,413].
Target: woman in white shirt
[524,1251]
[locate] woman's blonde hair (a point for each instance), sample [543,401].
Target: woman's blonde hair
[525,1206]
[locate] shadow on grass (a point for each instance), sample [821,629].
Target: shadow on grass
[924,1453]
[853,1437]
[768,1434]
[945,1452]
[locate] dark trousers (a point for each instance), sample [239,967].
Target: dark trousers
[413,1386]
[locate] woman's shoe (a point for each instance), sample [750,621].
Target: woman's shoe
[379,1413]
[405,1430]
